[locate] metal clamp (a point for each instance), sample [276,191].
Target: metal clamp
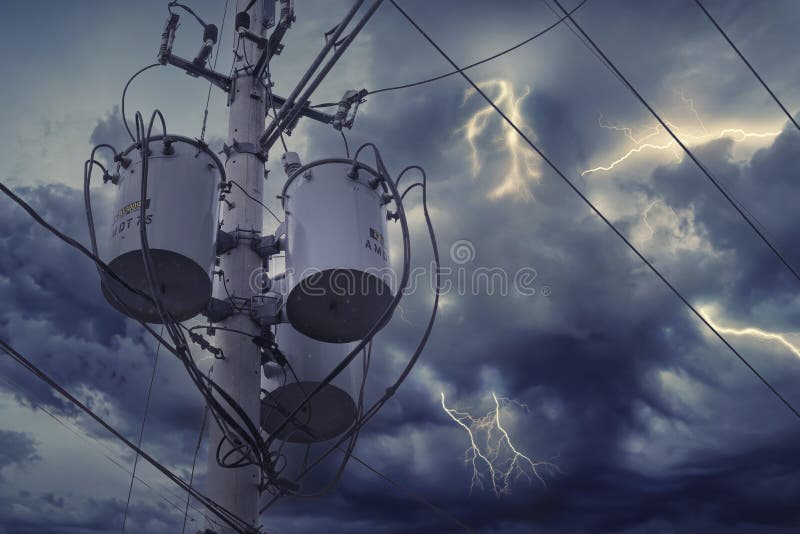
[265,310]
[226,241]
[218,310]
[243,148]
[266,246]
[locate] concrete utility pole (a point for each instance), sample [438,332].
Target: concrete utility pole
[240,372]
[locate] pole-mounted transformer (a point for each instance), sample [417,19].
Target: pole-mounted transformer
[182,206]
[338,278]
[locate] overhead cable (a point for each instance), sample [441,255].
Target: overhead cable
[591,205]
[683,146]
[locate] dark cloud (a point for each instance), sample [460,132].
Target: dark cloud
[16,448]
[656,427]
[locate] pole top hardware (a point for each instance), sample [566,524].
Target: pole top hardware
[243,148]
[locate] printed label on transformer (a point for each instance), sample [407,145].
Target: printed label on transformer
[375,244]
[128,216]
[130,208]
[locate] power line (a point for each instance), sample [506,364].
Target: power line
[141,431]
[576,34]
[416,496]
[680,143]
[749,65]
[91,440]
[226,516]
[481,62]
[211,84]
[392,389]
[194,463]
[589,203]
[181,351]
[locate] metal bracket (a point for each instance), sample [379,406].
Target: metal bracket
[218,310]
[265,310]
[230,240]
[220,80]
[226,241]
[325,118]
[243,148]
[265,246]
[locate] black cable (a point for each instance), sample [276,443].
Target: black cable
[214,67]
[481,62]
[226,516]
[227,292]
[254,199]
[70,241]
[194,463]
[124,92]
[95,162]
[414,495]
[387,313]
[749,65]
[188,10]
[91,440]
[686,149]
[268,86]
[348,451]
[184,354]
[250,433]
[409,188]
[141,432]
[589,203]
[346,147]
[582,40]
[390,391]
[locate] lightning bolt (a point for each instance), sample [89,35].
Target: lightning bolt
[646,222]
[403,316]
[660,140]
[651,230]
[686,100]
[522,163]
[757,333]
[493,456]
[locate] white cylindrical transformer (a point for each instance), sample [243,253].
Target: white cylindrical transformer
[339,281]
[330,412]
[182,205]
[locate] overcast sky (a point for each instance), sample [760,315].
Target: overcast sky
[652,424]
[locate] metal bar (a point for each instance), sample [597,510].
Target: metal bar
[325,118]
[220,80]
[270,137]
[285,108]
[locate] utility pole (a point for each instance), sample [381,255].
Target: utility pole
[239,373]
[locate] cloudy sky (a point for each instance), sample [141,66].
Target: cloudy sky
[644,420]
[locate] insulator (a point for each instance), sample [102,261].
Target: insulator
[242,20]
[210,33]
